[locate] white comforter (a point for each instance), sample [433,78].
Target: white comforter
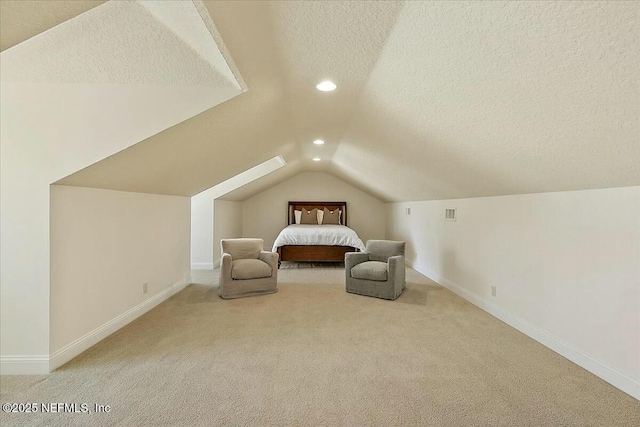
[307,234]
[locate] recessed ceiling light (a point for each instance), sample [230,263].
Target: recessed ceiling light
[326,86]
[318,142]
[316,159]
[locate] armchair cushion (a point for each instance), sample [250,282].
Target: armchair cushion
[351,259]
[245,269]
[242,248]
[382,250]
[370,270]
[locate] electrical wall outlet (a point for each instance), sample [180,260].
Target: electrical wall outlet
[145,287]
[493,291]
[408,211]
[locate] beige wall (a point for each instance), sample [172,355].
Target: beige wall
[104,245]
[566,267]
[265,214]
[227,224]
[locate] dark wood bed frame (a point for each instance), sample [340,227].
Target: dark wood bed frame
[314,253]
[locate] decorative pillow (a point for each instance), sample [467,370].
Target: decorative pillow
[309,217]
[320,216]
[296,216]
[331,217]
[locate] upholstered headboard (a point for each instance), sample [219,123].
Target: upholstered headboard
[313,205]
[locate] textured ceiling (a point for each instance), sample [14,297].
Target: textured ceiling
[435,100]
[107,79]
[21,19]
[281,113]
[497,98]
[133,43]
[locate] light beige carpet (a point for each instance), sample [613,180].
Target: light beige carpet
[314,355]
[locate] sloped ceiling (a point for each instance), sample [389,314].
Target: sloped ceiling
[490,98]
[435,100]
[20,20]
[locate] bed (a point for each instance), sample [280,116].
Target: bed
[318,243]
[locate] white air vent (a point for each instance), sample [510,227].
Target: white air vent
[450,214]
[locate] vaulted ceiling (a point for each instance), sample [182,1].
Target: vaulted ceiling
[435,100]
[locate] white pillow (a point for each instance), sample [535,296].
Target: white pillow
[297,215]
[320,216]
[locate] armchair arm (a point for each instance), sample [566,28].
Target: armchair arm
[351,259]
[225,270]
[397,273]
[270,258]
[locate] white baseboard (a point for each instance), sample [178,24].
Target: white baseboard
[83,343]
[24,365]
[202,265]
[596,367]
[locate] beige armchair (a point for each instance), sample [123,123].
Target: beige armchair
[378,271]
[246,270]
